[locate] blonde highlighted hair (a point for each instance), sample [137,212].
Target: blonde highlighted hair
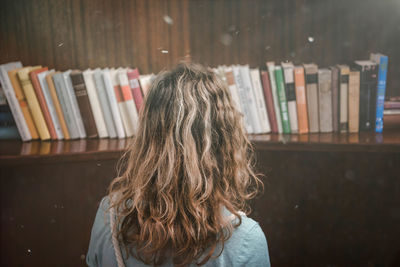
[189,159]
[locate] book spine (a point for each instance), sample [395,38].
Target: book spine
[259,98]
[312,99]
[37,114]
[12,100]
[269,101]
[84,104]
[42,103]
[291,99]
[343,95]
[354,101]
[74,104]
[133,78]
[325,100]
[301,100]
[251,99]
[280,85]
[49,102]
[128,102]
[123,110]
[271,71]
[66,105]
[230,80]
[243,99]
[380,99]
[113,104]
[104,103]
[19,94]
[335,99]
[95,104]
[57,106]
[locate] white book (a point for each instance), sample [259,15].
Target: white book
[250,98]
[261,107]
[104,103]
[113,103]
[228,71]
[242,98]
[74,103]
[271,71]
[12,100]
[130,106]
[95,104]
[288,73]
[49,102]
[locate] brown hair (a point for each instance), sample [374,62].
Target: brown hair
[189,159]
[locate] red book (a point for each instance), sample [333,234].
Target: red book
[133,77]
[269,101]
[42,101]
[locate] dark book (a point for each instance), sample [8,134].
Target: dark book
[311,73]
[269,101]
[83,102]
[368,87]
[335,99]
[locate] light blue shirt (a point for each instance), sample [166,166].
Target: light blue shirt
[246,247]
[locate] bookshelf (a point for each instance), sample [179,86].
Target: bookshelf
[330,199]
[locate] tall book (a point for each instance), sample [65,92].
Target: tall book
[250,98]
[133,78]
[311,73]
[301,101]
[288,71]
[130,107]
[271,70]
[335,99]
[260,102]
[84,103]
[354,101]
[42,101]
[12,74]
[230,80]
[57,106]
[325,100]
[49,102]
[113,103]
[269,101]
[72,99]
[13,101]
[33,103]
[243,99]
[66,104]
[95,104]
[343,97]
[8,129]
[280,85]
[382,60]
[368,87]
[104,103]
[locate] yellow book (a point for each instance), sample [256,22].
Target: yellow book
[57,106]
[22,102]
[33,103]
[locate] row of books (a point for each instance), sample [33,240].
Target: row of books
[49,104]
[305,99]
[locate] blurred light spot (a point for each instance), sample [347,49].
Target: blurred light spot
[226,39]
[296,207]
[310,39]
[168,20]
[236,32]
[98,164]
[29,251]
[267,47]
[83,257]
[60,44]
[164,51]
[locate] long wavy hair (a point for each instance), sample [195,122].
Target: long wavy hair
[190,160]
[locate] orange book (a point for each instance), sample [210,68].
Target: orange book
[301,99]
[42,101]
[23,103]
[57,106]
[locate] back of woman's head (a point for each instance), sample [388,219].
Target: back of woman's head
[190,159]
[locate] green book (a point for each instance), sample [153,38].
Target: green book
[280,85]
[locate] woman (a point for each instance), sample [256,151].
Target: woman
[188,177]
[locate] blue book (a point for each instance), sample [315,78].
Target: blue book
[382,60]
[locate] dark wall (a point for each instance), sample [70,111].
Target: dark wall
[88,33]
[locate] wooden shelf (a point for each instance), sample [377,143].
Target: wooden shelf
[15,151]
